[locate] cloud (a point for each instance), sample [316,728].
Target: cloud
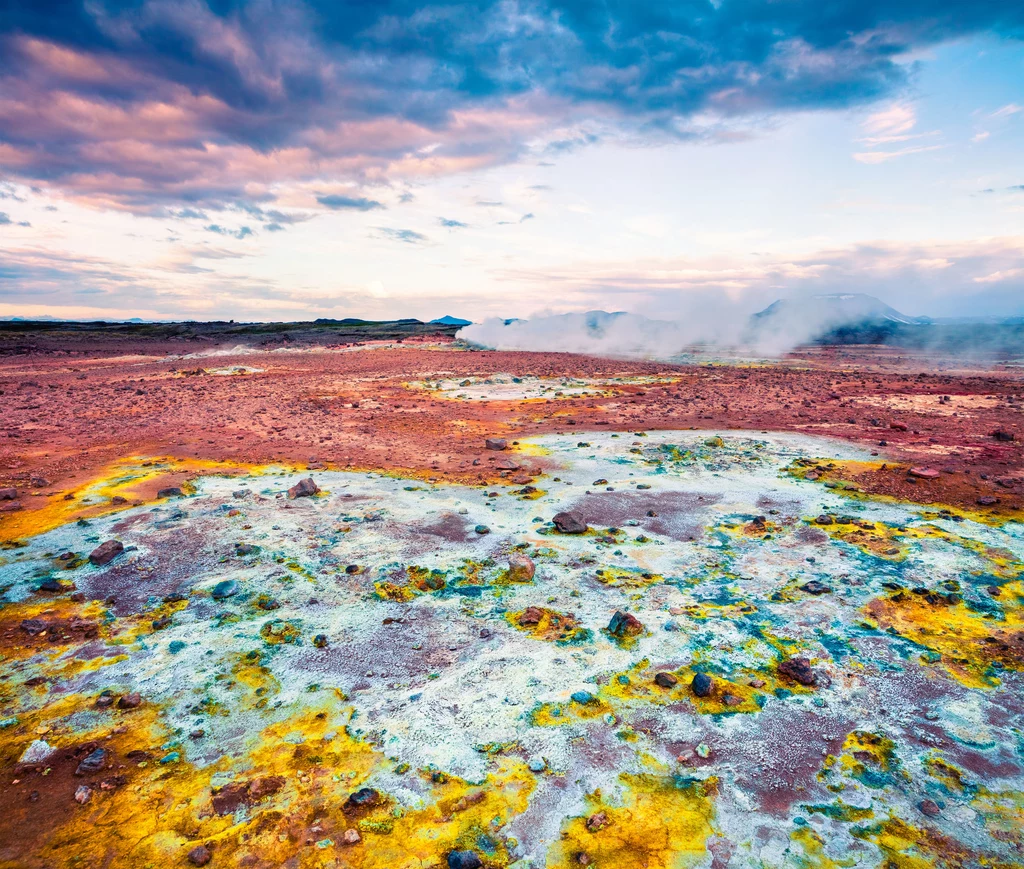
[1007,110]
[188,214]
[336,202]
[5,218]
[523,219]
[406,235]
[997,277]
[201,104]
[874,157]
[452,224]
[242,232]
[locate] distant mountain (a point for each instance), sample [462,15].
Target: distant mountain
[836,309]
[836,318]
[449,320]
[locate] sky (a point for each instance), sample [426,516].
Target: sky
[272,160]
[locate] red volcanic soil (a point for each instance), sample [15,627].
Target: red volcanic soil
[63,419]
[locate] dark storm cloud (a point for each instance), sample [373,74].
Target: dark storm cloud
[150,103]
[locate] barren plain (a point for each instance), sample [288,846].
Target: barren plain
[408,604]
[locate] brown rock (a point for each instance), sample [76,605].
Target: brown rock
[530,616]
[520,567]
[625,625]
[569,523]
[924,473]
[8,494]
[496,444]
[666,680]
[799,670]
[303,489]
[106,552]
[200,855]
[130,701]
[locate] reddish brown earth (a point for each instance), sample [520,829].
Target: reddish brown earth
[64,419]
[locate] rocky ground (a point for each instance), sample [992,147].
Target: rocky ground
[64,420]
[422,606]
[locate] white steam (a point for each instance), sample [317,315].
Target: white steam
[775,331]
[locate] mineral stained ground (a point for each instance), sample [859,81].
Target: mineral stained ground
[392,607]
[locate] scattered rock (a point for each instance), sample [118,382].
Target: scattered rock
[597,821]
[584,698]
[929,808]
[170,492]
[243,549]
[8,494]
[570,523]
[702,685]
[923,473]
[224,589]
[350,837]
[236,794]
[37,751]
[482,529]
[666,680]
[496,444]
[82,794]
[732,700]
[33,627]
[799,670]
[987,501]
[464,860]
[1001,434]
[363,798]
[93,762]
[520,567]
[320,641]
[823,519]
[200,855]
[815,587]
[106,552]
[130,701]
[624,625]
[303,489]
[530,616]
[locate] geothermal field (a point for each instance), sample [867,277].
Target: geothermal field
[398,602]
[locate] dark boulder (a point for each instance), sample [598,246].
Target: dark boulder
[106,552]
[570,523]
[702,685]
[303,489]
